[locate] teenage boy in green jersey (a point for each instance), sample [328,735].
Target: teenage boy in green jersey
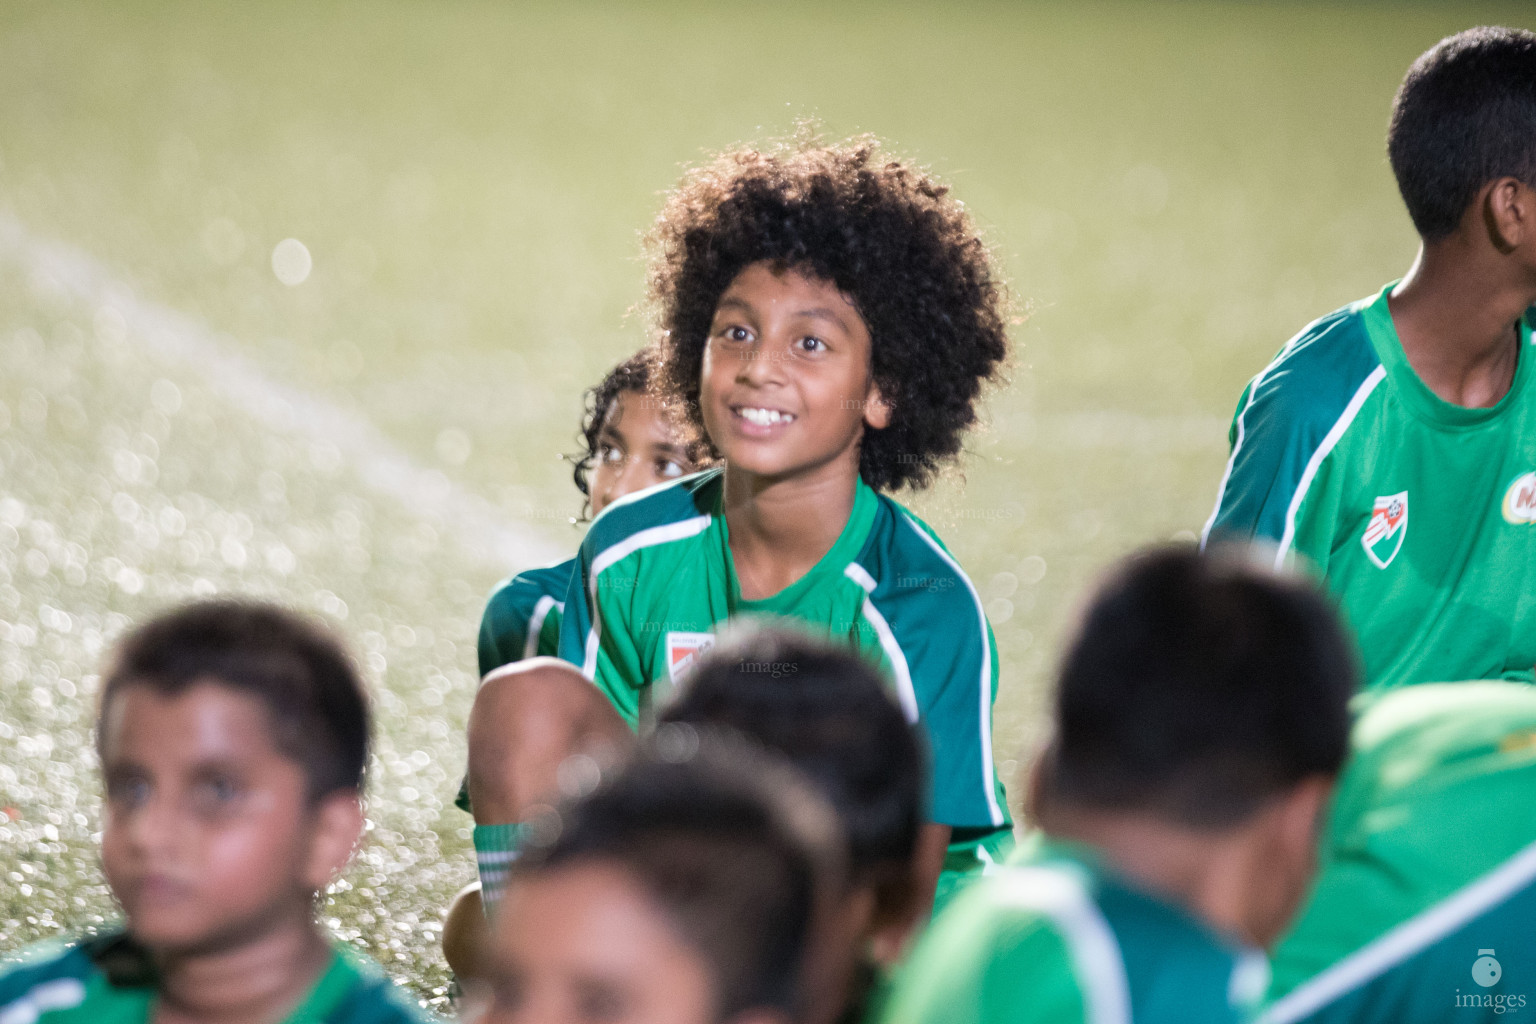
[1201,717]
[233,740]
[1425,906]
[1393,443]
[829,316]
[629,443]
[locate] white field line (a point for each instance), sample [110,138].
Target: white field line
[195,348]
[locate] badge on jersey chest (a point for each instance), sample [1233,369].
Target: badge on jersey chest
[683,649]
[1383,536]
[1520,500]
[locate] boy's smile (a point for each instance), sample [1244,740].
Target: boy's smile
[786,385]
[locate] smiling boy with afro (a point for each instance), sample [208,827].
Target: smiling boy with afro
[828,318]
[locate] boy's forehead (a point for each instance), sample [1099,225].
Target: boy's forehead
[207,718]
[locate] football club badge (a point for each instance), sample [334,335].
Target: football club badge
[1383,537]
[1520,500]
[683,649]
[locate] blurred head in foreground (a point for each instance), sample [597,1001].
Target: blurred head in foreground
[686,888]
[1201,719]
[233,738]
[826,710]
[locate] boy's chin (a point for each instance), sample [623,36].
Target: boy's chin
[188,934]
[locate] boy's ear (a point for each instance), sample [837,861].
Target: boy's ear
[337,825]
[1509,212]
[877,414]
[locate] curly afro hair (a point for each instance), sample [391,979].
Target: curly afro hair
[889,236]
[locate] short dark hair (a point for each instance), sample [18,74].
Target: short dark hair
[729,841]
[1465,115]
[886,234]
[828,712]
[1198,687]
[297,669]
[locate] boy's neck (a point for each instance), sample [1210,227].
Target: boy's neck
[1210,878]
[260,982]
[1457,315]
[779,529]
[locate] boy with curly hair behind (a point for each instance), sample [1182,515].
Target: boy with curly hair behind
[828,318]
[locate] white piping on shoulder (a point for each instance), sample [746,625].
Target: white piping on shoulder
[663,534]
[898,658]
[1061,896]
[988,772]
[1332,438]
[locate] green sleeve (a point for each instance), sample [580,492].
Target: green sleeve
[982,964]
[596,633]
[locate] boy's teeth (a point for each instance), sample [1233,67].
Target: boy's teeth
[765,417]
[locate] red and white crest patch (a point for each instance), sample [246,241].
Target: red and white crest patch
[683,649]
[1389,520]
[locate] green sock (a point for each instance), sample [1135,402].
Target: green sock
[496,847]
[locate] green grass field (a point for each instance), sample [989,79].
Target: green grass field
[1172,190]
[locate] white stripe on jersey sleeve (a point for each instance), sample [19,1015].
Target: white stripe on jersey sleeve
[1408,939]
[536,624]
[664,534]
[988,771]
[898,658]
[1060,895]
[1313,464]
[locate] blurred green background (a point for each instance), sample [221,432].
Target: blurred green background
[1172,190]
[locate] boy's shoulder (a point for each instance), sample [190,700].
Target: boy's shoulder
[523,590]
[368,996]
[904,559]
[46,975]
[669,511]
[1317,373]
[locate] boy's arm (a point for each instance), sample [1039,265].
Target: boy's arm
[1278,486]
[982,964]
[945,656]
[596,634]
[504,624]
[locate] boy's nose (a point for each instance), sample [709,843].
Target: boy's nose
[759,365]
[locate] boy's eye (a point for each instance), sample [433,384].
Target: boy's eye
[812,344]
[737,333]
[667,469]
[608,453]
[132,791]
[215,791]
[598,1001]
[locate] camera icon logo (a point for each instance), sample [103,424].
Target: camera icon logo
[1486,971]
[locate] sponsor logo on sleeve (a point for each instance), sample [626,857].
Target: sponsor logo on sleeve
[683,650]
[1520,500]
[1383,536]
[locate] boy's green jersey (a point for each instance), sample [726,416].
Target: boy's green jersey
[102,981]
[1057,939]
[1425,909]
[522,616]
[1420,514]
[655,578]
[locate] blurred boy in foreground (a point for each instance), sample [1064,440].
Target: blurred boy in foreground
[1201,718]
[233,739]
[691,886]
[1424,906]
[827,711]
